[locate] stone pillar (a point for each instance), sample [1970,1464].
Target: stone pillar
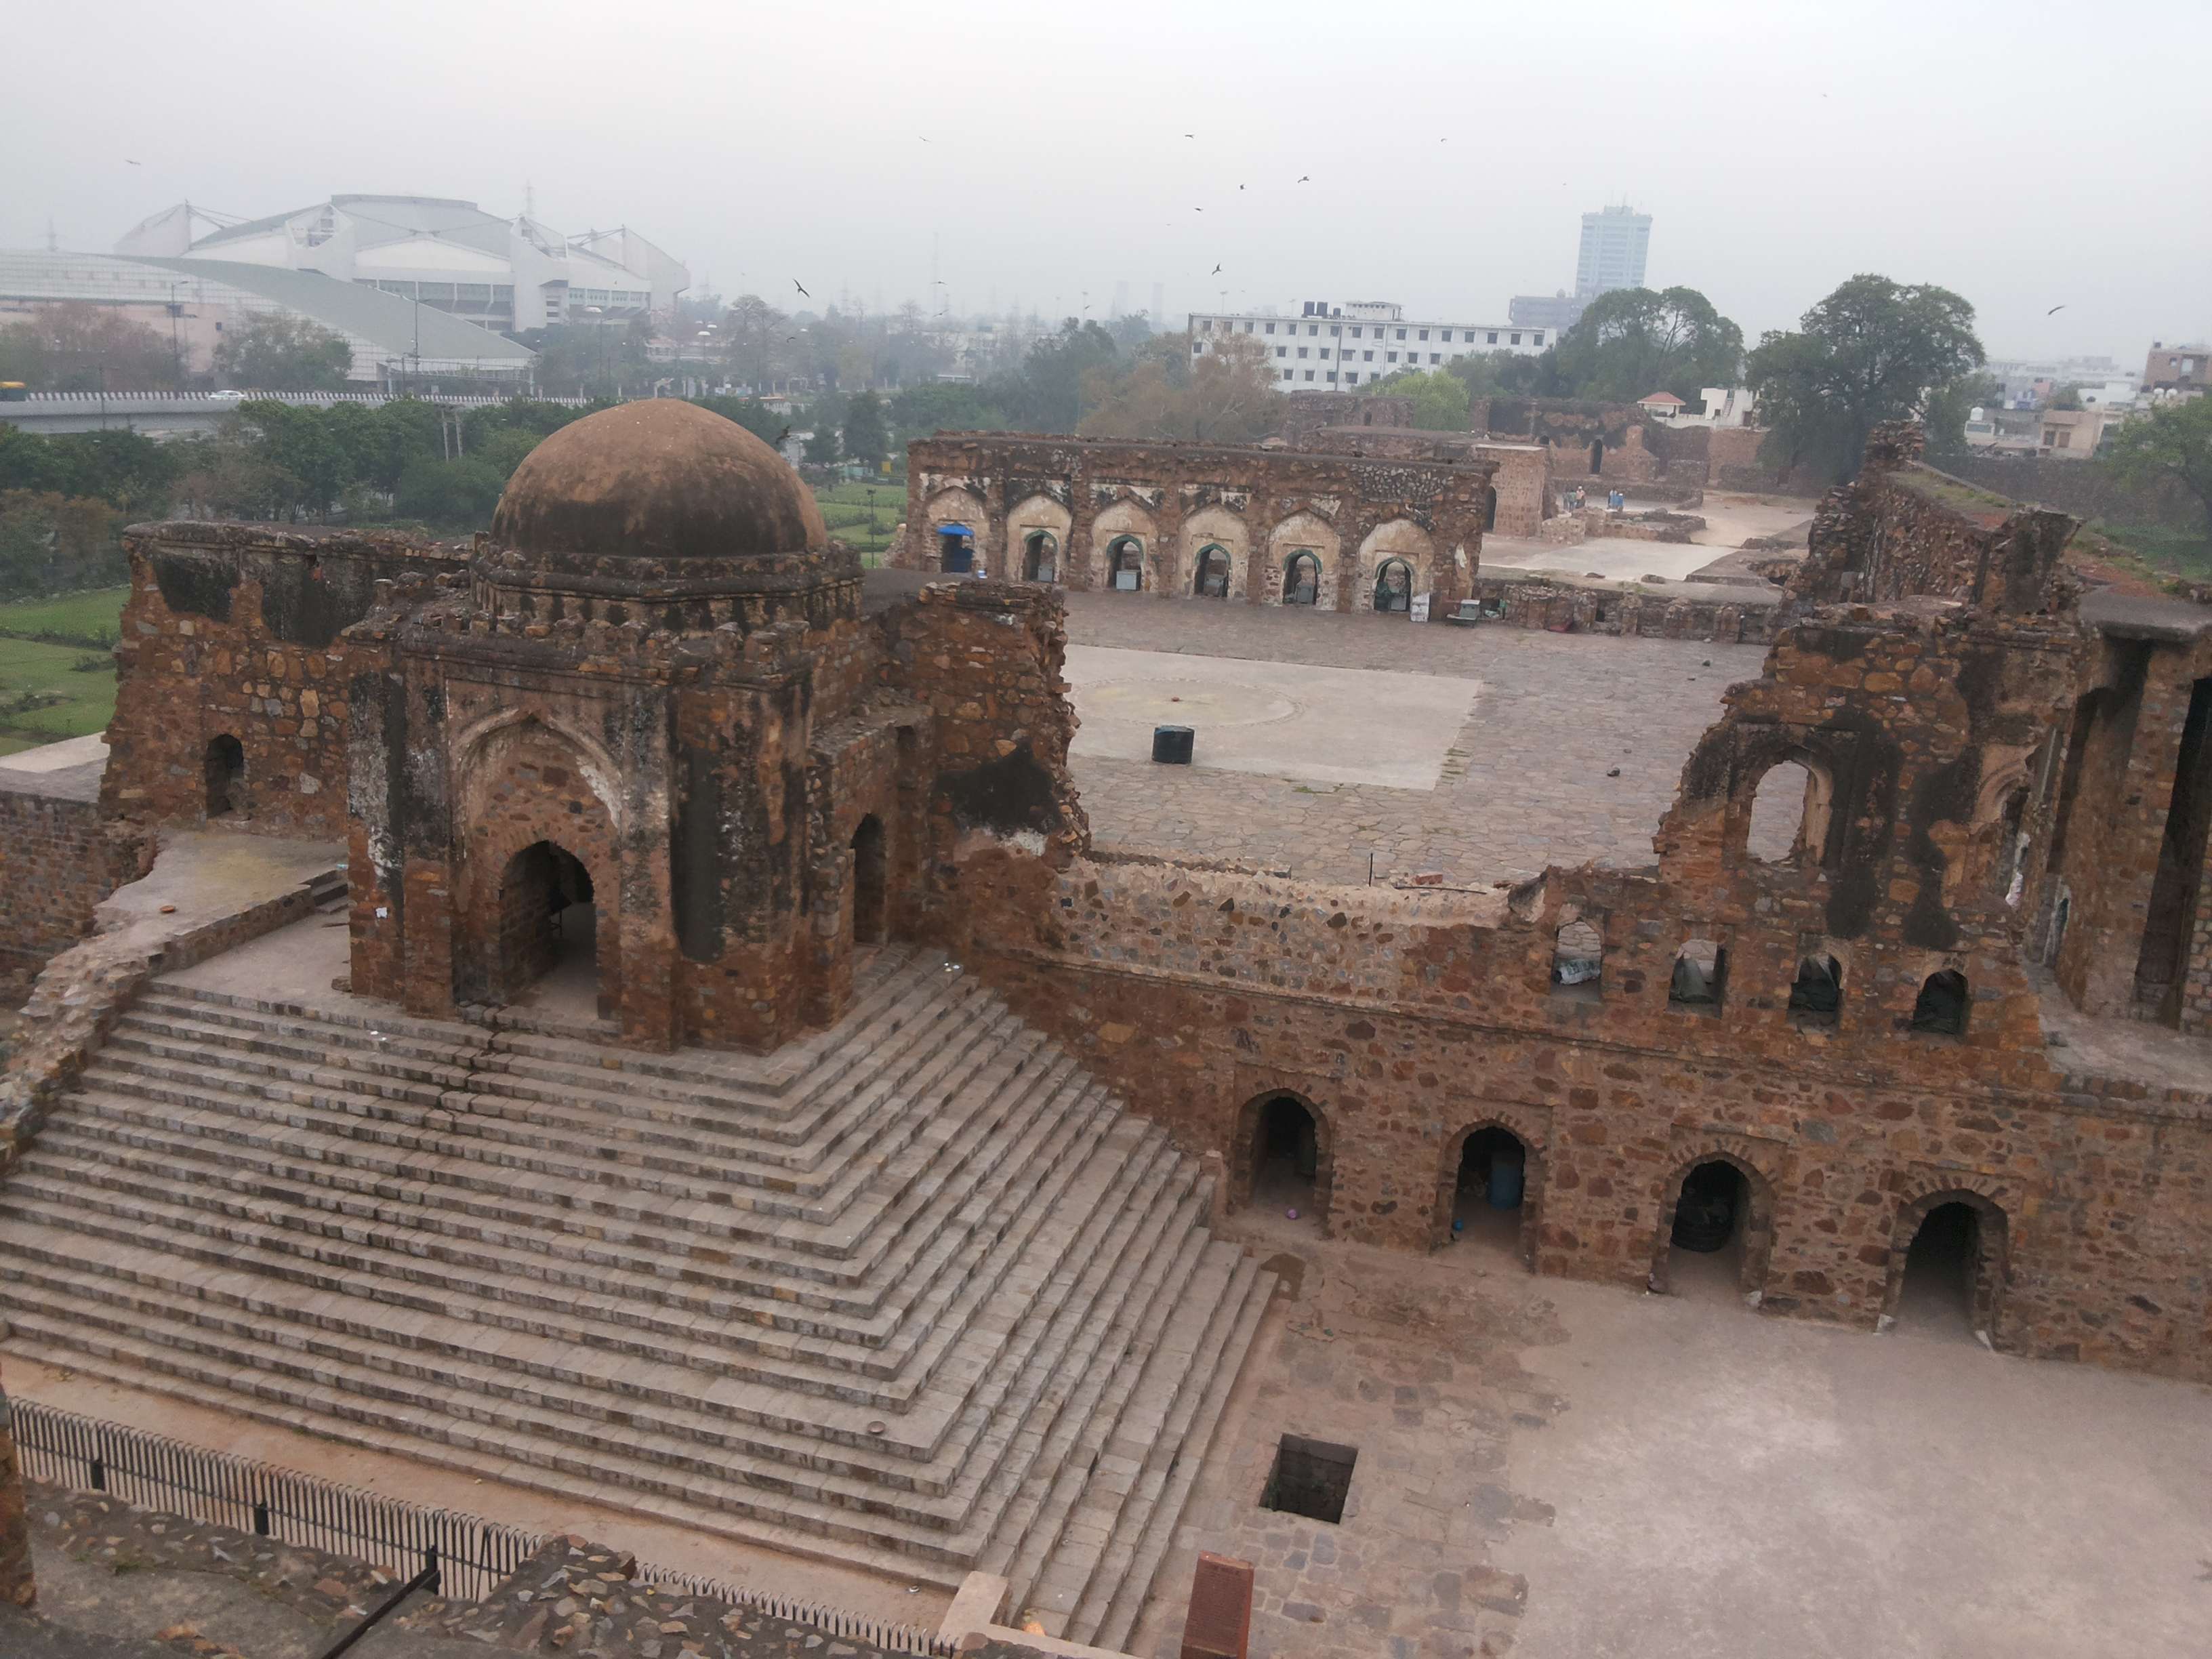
[17,1587]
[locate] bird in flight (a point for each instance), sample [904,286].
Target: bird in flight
[1216,271]
[2054,311]
[794,283]
[128,163]
[1190,134]
[1240,186]
[1304,177]
[1198,210]
[781,436]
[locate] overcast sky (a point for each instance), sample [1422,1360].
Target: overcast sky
[2027,154]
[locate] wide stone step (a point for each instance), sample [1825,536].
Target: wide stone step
[79,1159]
[61,1187]
[455,1108]
[1144,1539]
[1121,1511]
[856,1495]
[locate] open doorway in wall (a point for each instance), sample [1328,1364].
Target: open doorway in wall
[1597,456]
[1301,578]
[871,895]
[1125,565]
[223,767]
[1286,1156]
[1707,1247]
[1040,556]
[1947,1283]
[1212,581]
[1490,507]
[1394,585]
[548,944]
[1491,1202]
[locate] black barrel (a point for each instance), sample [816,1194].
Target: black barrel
[1171,744]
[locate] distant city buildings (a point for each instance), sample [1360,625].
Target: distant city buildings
[2176,372]
[506,275]
[2031,382]
[1615,240]
[1357,343]
[1557,313]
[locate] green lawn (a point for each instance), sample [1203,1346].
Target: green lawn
[845,509]
[88,615]
[86,699]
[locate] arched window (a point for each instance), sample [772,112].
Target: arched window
[1040,556]
[1701,976]
[1302,578]
[1788,815]
[1577,960]
[1942,1006]
[1394,585]
[1816,996]
[223,771]
[1125,564]
[1212,581]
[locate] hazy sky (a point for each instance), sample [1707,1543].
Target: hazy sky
[2026,154]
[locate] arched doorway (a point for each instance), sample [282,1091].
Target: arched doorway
[1212,579]
[1040,556]
[1491,1202]
[1716,1233]
[1597,456]
[1125,564]
[1947,1266]
[223,768]
[548,942]
[1394,585]
[1302,578]
[1285,1150]
[870,889]
[1490,507]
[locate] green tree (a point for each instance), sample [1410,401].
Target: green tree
[306,445]
[1873,350]
[1046,395]
[2171,446]
[750,413]
[282,353]
[451,494]
[920,410]
[1226,396]
[1634,341]
[1508,374]
[866,438]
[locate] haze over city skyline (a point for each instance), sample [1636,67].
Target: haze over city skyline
[1041,156]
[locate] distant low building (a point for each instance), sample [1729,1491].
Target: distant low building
[2074,434]
[1557,313]
[192,303]
[1358,342]
[1662,406]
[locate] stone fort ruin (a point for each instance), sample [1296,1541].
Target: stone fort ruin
[738,1080]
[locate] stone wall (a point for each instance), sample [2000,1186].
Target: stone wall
[1307,412]
[1610,442]
[1525,601]
[232,631]
[1207,520]
[58,860]
[1407,1020]
[1522,478]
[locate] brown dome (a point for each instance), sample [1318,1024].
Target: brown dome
[656,492]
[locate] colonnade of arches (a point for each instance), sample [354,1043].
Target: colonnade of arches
[1717,1222]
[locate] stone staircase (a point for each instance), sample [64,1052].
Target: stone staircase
[915,1295]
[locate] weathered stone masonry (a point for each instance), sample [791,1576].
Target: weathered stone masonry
[1933,733]
[58,860]
[1208,521]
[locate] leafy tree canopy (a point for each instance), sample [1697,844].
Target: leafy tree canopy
[280,353]
[866,437]
[1633,342]
[81,347]
[1226,396]
[1873,350]
[2172,445]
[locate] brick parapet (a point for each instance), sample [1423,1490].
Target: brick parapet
[57,861]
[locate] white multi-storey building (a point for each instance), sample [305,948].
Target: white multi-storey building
[1357,343]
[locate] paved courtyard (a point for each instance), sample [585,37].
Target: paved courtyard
[1569,1471]
[1521,777]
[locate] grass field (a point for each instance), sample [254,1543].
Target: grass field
[31,672]
[845,509]
[85,617]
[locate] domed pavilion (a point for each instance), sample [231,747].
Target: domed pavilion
[647,766]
